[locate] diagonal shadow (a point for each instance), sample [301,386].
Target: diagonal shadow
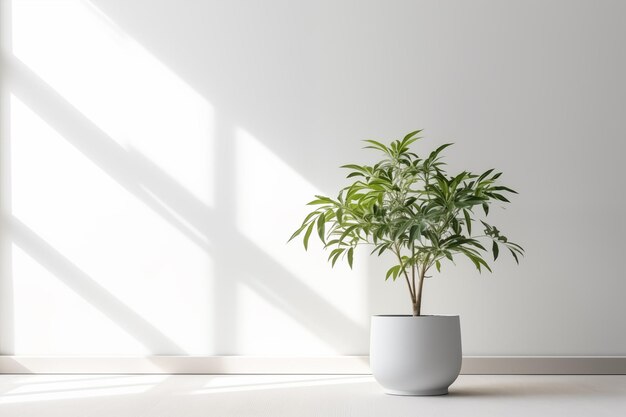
[86,287]
[217,61]
[163,194]
[109,156]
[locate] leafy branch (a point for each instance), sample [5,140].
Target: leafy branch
[408,205]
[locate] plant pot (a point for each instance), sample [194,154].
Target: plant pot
[415,355]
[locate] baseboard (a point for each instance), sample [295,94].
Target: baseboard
[544,365]
[538,365]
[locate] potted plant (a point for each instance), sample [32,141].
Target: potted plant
[409,206]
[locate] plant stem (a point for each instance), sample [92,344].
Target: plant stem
[414,266]
[406,276]
[417,306]
[414,300]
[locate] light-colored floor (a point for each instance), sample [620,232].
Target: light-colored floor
[304,395]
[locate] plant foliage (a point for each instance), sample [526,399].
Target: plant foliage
[408,205]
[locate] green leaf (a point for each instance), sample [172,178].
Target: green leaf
[484,263]
[414,233]
[310,216]
[495,250]
[476,263]
[334,255]
[321,227]
[476,259]
[350,256]
[347,231]
[499,197]
[376,248]
[456,180]
[377,145]
[502,188]
[355,174]
[443,184]
[456,226]
[355,167]
[438,265]
[486,208]
[474,242]
[307,235]
[340,215]
[514,256]
[437,151]
[410,135]
[393,272]
[297,232]
[484,175]
[468,222]
[332,242]
[394,147]
[320,199]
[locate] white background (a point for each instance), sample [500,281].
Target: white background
[156,156]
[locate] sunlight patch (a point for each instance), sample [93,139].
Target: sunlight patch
[271,198]
[119,86]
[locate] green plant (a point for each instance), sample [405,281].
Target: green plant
[409,206]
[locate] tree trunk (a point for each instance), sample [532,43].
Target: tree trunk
[416,309]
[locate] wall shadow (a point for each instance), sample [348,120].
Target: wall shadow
[242,70]
[92,292]
[202,224]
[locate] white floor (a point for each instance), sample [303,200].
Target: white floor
[304,395]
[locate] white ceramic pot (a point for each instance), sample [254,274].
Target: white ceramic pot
[415,355]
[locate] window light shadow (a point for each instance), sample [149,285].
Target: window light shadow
[39,388]
[268,382]
[86,287]
[243,71]
[60,388]
[136,176]
[78,394]
[71,392]
[199,222]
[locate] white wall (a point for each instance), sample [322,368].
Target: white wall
[157,155]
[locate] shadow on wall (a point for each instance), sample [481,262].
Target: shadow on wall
[283,74]
[87,288]
[200,223]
